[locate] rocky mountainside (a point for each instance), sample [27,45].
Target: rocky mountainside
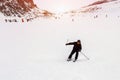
[16,7]
[21,10]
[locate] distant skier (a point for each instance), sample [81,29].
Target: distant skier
[76,49]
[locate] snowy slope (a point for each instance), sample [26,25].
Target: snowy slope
[97,8]
[104,6]
[37,51]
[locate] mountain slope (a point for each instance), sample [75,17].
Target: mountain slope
[101,5]
[21,11]
[98,7]
[16,7]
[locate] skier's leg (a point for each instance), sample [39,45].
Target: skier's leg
[70,56]
[76,56]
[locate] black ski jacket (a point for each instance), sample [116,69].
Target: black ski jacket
[76,47]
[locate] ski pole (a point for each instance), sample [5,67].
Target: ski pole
[84,55]
[67,40]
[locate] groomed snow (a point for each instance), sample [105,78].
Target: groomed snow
[37,51]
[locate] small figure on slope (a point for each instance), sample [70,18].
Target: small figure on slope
[76,49]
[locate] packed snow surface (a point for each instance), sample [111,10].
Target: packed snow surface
[37,51]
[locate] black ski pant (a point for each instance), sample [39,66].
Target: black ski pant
[73,52]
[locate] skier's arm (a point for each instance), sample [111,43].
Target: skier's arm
[71,43]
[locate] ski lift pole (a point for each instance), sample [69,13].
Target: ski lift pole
[84,55]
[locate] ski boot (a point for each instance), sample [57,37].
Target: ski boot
[74,60]
[68,59]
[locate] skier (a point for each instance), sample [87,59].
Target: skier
[76,49]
